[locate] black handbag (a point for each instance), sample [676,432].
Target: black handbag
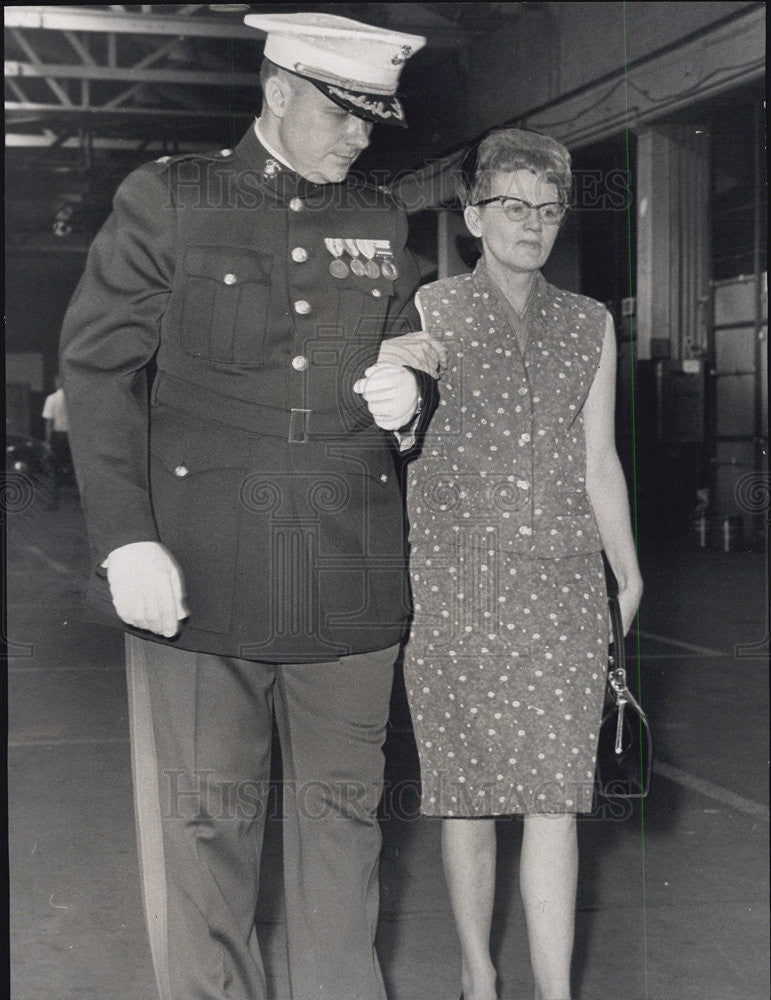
[625,745]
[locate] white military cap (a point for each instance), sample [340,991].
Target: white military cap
[355,65]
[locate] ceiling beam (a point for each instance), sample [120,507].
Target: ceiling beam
[54,111]
[25,45]
[110,73]
[83,19]
[80,48]
[18,140]
[160,53]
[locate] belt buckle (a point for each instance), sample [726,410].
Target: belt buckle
[299,421]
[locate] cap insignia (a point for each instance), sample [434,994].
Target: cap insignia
[402,56]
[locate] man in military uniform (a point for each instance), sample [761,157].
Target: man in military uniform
[245,514]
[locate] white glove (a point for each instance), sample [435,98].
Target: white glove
[147,588]
[391,393]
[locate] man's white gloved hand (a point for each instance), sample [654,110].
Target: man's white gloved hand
[147,587]
[391,393]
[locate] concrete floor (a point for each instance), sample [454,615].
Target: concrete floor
[673,897]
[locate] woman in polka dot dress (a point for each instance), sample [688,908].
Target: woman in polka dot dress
[517,491]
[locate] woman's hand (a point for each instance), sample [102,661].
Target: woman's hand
[418,350]
[629,598]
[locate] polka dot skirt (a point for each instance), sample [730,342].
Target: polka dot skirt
[505,673]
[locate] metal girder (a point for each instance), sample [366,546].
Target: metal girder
[50,140]
[121,77]
[156,23]
[188,78]
[130,62]
[105,51]
[70,110]
[88,85]
[28,48]
[84,19]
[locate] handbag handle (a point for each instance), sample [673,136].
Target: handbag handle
[617,661]
[617,670]
[617,632]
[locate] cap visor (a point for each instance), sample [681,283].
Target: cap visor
[383,108]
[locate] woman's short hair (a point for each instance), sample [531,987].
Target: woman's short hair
[503,150]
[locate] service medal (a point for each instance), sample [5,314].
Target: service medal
[356,265]
[338,268]
[389,270]
[367,248]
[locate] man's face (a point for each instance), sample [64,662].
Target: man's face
[320,139]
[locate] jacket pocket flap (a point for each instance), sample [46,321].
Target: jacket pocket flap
[370,463]
[230,265]
[185,447]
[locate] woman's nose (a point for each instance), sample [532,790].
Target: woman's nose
[534,220]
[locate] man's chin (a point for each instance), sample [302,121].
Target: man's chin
[329,176]
[335,176]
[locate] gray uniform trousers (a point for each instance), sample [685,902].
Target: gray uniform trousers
[201,728]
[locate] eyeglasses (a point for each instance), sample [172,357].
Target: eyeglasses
[517,209]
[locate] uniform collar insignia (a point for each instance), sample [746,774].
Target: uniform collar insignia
[271,168]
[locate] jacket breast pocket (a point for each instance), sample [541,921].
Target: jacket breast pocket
[225,304]
[363,305]
[362,311]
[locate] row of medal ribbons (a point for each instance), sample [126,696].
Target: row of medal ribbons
[369,258]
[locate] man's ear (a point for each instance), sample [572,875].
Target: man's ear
[276,94]
[473,220]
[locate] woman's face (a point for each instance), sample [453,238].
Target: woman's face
[518,246]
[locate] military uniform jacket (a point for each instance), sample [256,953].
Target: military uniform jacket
[506,447]
[252,460]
